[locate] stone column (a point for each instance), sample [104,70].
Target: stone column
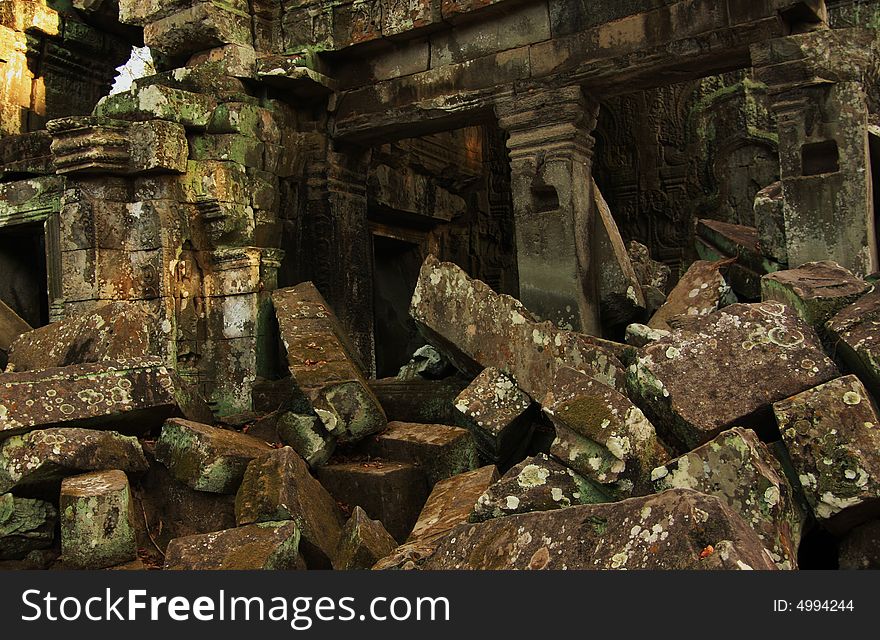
[817,83]
[551,153]
[339,246]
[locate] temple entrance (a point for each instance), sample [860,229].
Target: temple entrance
[23,276]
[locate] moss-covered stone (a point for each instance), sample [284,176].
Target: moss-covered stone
[160,102]
[40,459]
[363,543]
[833,435]
[267,545]
[97,520]
[538,483]
[25,525]
[307,436]
[207,458]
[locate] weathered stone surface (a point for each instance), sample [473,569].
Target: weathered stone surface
[856,338]
[419,400]
[452,501]
[701,290]
[770,223]
[439,450]
[25,525]
[323,366]
[391,492]
[159,102]
[277,486]
[833,435]
[538,483]
[202,26]
[737,468]
[11,326]
[620,294]
[726,370]
[44,457]
[427,363]
[601,434]
[363,542]
[135,394]
[816,290]
[307,435]
[267,545]
[716,241]
[499,413]
[479,328]
[207,458]
[97,520]
[652,275]
[641,335]
[116,331]
[860,548]
[169,509]
[676,529]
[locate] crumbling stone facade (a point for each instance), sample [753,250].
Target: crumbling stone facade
[246,246]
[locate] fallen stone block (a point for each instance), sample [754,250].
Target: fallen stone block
[115,331]
[439,450]
[391,492]
[323,366]
[452,501]
[307,436]
[426,363]
[277,486]
[203,26]
[363,543]
[266,546]
[738,469]
[614,445]
[860,548]
[815,290]
[770,223]
[641,335]
[498,411]
[478,328]
[725,371]
[207,458]
[832,433]
[700,291]
[161,103]
[11,326]
[40,459]
[538,483]
[674,530]
[128,395]
[166,508]
[855,335]
[97,520]
[26,525]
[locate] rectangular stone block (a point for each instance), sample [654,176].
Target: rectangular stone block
[203,26]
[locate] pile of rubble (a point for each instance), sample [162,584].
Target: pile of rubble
[720,435]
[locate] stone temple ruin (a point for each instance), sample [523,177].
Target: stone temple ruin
[386,284]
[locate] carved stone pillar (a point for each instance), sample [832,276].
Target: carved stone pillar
[338,244]
[551,152]
[818,85]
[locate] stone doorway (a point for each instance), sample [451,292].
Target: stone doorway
[23,273]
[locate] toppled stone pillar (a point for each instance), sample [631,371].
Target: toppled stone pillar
[551,161]
[323,364]
[97,520]
[816,84]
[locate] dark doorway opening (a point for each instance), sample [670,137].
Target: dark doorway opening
[23,274]
[396,265]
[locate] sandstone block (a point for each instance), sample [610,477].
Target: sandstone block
[267,545]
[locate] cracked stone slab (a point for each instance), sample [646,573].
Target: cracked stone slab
[678,529]
[478,328]
[726,370]
[538,483]
[128,395]
[266,545]
[46,456]
[737,468]
[832,433]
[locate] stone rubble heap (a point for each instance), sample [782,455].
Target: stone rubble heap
[724,436]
